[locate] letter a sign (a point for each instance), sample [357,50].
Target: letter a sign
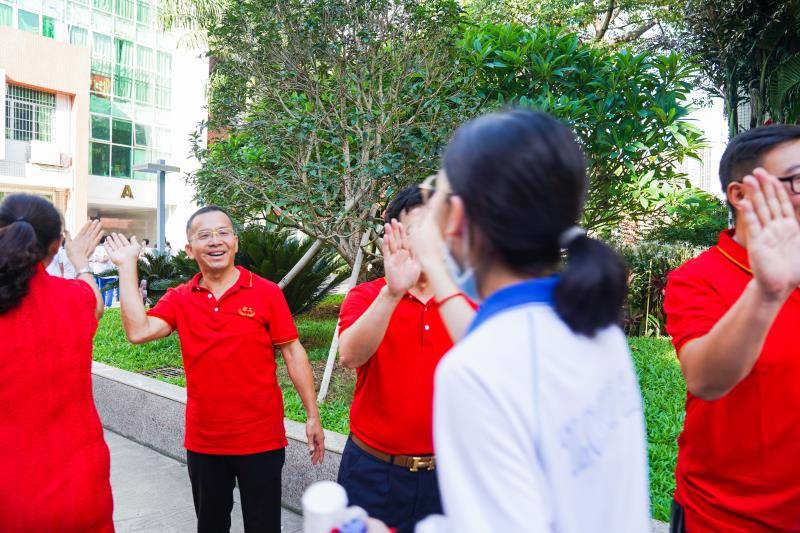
[127,192]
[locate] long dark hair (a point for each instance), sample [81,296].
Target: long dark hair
[28,226]
[522,178]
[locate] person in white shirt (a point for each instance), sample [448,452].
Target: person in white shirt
[61,266]
[538,420]
[100,263]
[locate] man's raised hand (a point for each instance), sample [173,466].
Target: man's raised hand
[773,235]
[401,269]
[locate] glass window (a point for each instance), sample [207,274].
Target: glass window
[121,161]
[49,27]
[29,114]
[145,35]
[6,15]
[101,128]
[144,57]
[124,8]
[164,64]
[99,159]
[123,82]
[163,96]
[161,138]
[79,14]
[144,13]
[144,88]
[102,46]
[27,21]
[100,83]
[124,28]
[122,132]
[99,104]
[103,5]
[122,108]
[78,36]
[143,134]
[124,51]
[141,156]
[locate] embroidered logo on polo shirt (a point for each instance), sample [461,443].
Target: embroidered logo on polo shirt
[247,311]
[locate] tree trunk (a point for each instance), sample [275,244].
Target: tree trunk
[297,268]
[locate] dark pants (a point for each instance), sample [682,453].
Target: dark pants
[390,493]
[677,523]
[259,478]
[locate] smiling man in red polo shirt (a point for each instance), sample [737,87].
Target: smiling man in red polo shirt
[229,321]
[392,334]
[733,314]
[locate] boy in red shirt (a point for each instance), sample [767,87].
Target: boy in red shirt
[392,334]
[733,314]
[230,321]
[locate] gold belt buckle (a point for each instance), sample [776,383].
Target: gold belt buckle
[427,463]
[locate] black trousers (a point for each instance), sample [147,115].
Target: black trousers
[259,477]
[677,523]
[395,495]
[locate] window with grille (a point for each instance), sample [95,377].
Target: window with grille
[29,114]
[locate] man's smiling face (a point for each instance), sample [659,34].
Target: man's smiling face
[212,241]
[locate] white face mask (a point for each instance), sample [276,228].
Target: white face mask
[464,277]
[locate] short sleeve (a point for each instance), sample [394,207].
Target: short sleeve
[281,324]
[355,303]
[167,308]
[692,307]
[85,295]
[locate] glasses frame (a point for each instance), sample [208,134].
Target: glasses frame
[215,231]
[793,181]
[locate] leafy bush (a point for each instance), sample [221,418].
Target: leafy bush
[650,263]
[629,110]
[271,253]
[695,218]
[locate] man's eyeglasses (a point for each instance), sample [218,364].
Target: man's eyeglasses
[428,187]
[207,235]
[793,181]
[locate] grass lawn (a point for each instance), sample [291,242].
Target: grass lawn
[660,379]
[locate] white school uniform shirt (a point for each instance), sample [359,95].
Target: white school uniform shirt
[537,428]
[59,260]
[99,262]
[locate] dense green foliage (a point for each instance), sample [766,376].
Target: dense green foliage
[695,218]
[271,253]
[628,110]
[650,263]
[749,51]
[161,271]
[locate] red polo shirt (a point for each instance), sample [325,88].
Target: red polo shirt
[738,463]
[234,404]
[392,407]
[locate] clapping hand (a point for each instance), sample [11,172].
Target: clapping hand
[401,269]
[121,251]
[82,246]
[773,235]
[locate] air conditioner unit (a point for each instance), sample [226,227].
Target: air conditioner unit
[45,153]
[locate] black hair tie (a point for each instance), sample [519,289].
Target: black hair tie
[22,219]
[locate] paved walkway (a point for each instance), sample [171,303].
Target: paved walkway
[152,493]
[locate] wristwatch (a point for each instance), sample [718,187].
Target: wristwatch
[84,270]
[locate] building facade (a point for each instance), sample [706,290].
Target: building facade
[91,89]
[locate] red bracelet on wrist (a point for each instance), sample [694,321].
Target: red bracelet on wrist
[454,295]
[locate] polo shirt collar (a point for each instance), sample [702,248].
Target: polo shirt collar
[245,280]
[733,251]
[539,290]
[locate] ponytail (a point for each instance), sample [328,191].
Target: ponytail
[28,225]
[591,290]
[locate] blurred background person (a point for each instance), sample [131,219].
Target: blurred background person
[101,266]
[61,266]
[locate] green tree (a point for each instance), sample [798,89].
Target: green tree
[612,22]
[328,107]
[628,110]
[749,51]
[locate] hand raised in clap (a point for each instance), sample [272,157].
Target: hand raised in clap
[401,269]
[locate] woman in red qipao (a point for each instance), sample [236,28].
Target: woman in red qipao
[54,463]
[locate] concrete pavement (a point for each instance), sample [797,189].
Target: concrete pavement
[152,493]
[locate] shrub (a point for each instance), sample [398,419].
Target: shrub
[650,263]
[695,218]
[161,271]
[271,252]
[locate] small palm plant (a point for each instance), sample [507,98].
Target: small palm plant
[161,271]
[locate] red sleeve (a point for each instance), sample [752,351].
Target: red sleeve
[357,301]
[280,323]
[692,306]
[85,295]
[166,309]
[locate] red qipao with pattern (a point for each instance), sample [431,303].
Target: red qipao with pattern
[54,463]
